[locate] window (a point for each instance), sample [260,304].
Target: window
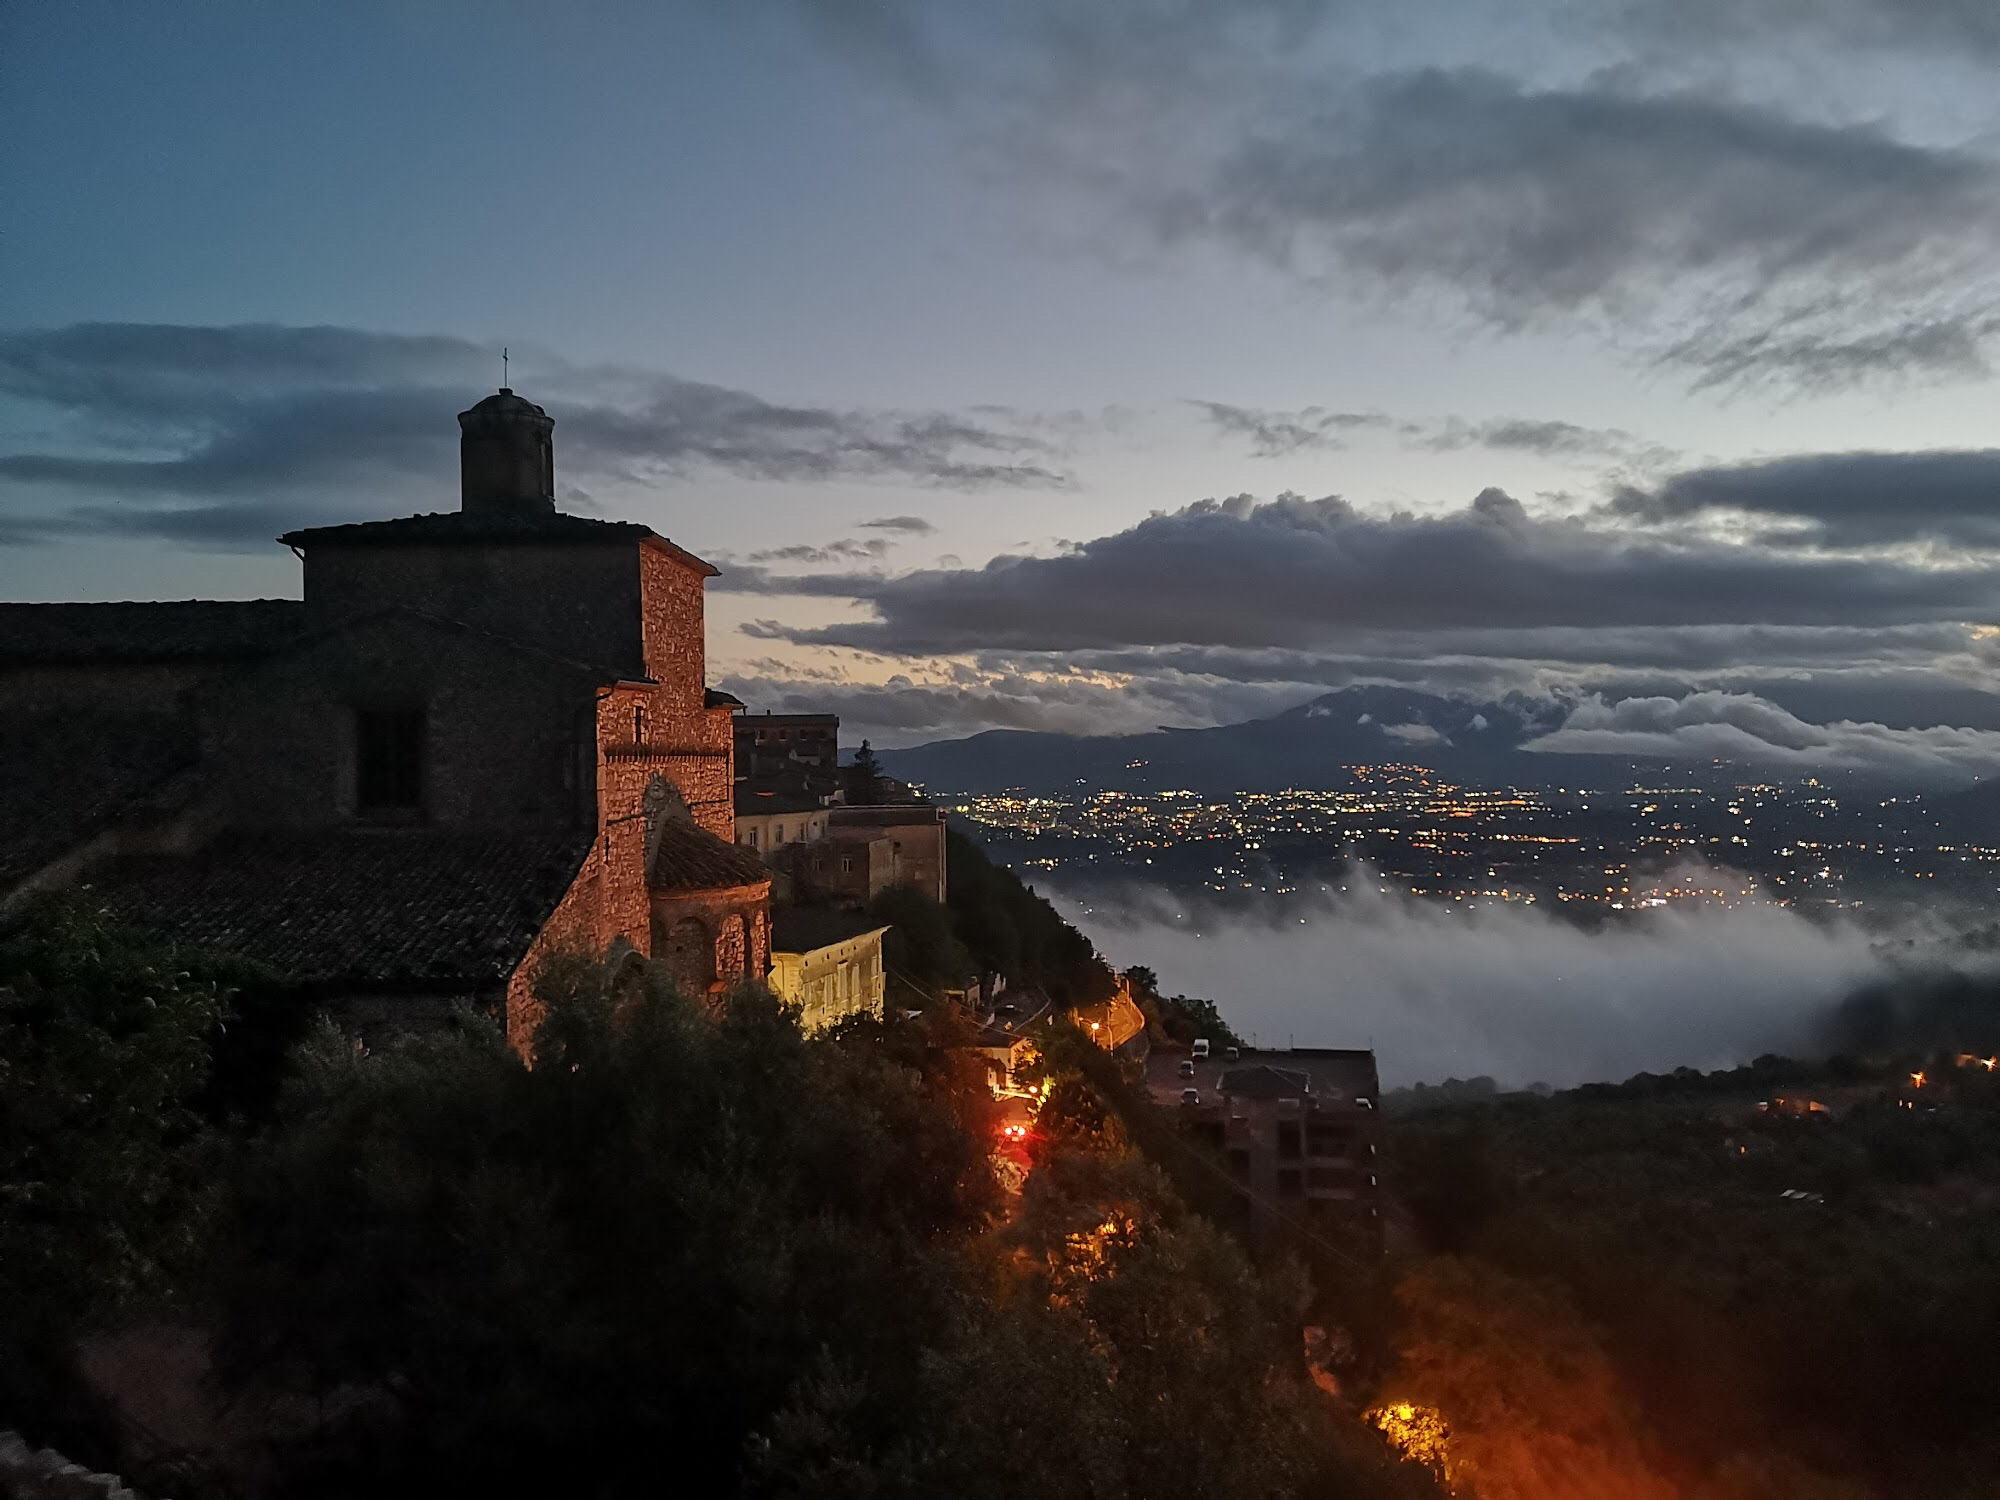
[1326,1141]
[1288,1140]
[638,725]
[753,838]
[777,835]
[388,760]
[846,864]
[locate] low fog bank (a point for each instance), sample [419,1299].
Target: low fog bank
[1441,990]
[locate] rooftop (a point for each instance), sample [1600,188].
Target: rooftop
[801,929]
[180,630]
[1331,1075]
[498,526]
[393,908]
[752,801]
[690,858]
[66,776]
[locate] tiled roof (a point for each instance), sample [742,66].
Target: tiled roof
[689,858]
[64,777]
[752,800]
[183,630]
[474,526]
[717,698]
[395,908]
[1265,1082]
[800,929]
[541,527]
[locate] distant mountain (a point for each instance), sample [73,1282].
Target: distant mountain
[1310,746]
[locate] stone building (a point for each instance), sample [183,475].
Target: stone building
[773,747]
[914,833]
[1297,1128]
[483,734]
[768,820]
[828,963]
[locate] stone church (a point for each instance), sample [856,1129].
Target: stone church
[482,735]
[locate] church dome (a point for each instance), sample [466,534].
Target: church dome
[506,457]
[504,403]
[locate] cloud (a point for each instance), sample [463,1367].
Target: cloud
[225,435]
[1742,727]
[1606,203]
[954,699]
[1439,989]
[1955,25]
[1546,437]
[1413,734]
[1667,202]
[1311,575]
[1275,434]
[1847,499]
[909,525]
[845,549]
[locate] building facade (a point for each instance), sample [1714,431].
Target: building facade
[772,747]
[829,964]
[482,735]
[915,834]
[1297,1129]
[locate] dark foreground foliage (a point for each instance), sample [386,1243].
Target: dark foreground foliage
[120,1054]
[1728,1302]
[688,1251]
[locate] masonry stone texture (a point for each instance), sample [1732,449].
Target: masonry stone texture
[503,669]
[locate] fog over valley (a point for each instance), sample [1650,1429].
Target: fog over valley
[1519,993]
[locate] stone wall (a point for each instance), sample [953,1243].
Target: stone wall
[916,833]
[713,940]
[576,599]
[130,687]
[508,733]
[671,608]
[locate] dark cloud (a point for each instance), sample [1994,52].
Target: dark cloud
[1547,437]
[1742,727]
[1846,499]
[1312,574]
[1972,25]
[1274,434]
[1609,204]
[223,436]
[909,525]
[845,549]
[1742,242]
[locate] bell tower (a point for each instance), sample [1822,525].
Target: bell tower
[506,458]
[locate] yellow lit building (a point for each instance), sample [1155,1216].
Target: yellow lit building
[827,963]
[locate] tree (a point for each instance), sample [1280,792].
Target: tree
[642,1246]
[864,778]
[105,1158]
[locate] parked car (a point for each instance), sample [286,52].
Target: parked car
[1187,1067]
[1201,1046]
[1190,1096]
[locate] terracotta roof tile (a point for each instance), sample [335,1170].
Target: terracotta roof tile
[395,908]
[689,858]
[181,630]
[66,776]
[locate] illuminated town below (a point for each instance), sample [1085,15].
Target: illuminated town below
[1799,843]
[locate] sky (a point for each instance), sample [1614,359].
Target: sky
[1073,366]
